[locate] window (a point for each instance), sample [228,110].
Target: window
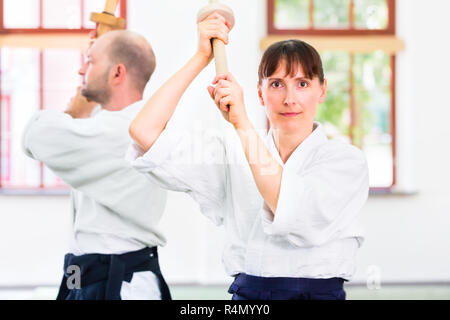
[331,17]
[42,44]
[356,39]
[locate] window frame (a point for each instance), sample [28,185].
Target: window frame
[36,32]
[352,32]
[40,29]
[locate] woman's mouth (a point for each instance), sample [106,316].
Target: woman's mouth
[290,114]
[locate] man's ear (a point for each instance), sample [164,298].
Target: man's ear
[323,93]
[260,96]
[119,73]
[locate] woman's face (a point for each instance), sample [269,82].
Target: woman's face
[291,101]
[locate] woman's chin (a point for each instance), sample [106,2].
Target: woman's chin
[290,126]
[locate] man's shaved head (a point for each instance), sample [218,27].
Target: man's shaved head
[134,52]
[115,48]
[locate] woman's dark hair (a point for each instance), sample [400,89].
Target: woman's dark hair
[295,53]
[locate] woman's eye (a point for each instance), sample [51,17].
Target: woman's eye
[303,84]
[276,84]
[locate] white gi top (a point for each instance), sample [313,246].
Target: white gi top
[114,208]
[315,231]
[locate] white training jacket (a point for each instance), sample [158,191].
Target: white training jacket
[315,232]
[115,209]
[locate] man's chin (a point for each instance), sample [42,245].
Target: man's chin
[89,97]
[83,91]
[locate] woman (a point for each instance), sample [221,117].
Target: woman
[290,208]
[316,187]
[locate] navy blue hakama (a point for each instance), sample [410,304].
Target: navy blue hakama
[101,275]
[247,287]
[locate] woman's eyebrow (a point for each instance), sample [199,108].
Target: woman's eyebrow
[302,78]
[281,79]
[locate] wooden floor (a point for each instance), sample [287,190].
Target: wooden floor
[197,292]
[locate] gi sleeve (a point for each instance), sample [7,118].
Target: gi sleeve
[190,162]
[88,155]
[318,204]
[66,145]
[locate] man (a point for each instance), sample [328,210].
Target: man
[115,210]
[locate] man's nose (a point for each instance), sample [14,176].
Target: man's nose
[82,70]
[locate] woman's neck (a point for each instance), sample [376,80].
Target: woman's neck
[287,142]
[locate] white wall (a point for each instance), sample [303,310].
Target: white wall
[407,238]
[33,240]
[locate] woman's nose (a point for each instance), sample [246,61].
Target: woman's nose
[289,97]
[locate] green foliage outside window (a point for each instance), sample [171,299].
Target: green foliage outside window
[331,14]
[358,103]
